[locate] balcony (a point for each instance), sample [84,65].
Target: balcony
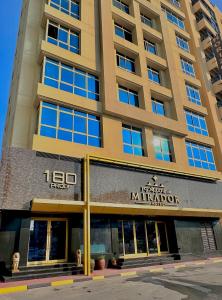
[156,61]
[170,4]
[219,105]
[200,7]
[217,86]
[176,3]
[206,43]
[212,64]
[152,33]
[204,24]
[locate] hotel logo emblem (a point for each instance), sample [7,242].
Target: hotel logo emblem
[154,193]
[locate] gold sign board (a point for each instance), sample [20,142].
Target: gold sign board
[155,194]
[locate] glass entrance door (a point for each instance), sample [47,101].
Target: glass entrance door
[162,237]
[141,240]
[48,241]
[152,237]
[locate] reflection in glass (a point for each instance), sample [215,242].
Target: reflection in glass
[128,237]
[120,237]
[58,240]
[140,236]
[38,240]
[152,237]
[162,237]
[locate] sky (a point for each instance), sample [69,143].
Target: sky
[9,23]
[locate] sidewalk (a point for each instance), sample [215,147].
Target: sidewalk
[21,286]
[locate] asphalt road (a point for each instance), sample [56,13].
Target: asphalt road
[197,283]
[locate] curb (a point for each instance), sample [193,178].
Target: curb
[153,269]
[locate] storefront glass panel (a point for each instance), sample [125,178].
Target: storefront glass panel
[58,240]
[141,237]
[120,237]
[152,237]
[38,240]
[129,237]
[162,237]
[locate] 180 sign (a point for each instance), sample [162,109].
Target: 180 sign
[60,180]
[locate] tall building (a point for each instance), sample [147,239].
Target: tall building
[113,139]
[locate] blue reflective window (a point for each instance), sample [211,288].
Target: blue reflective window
[187,67]
[121,5]
[63,37]
[150,47]
[75,9]
[132,140]
[80,124]
[52,69]
[80,138]
[128,96]
[48,132]
[65,135]
[173,18]
[158,107]
[94,127]
[200,156]
[196,123]
[162,148]
[182,43]
[71,79]
[49,116]
[69,7]
[70,125]
[93,84]
[153,75]
[193,94]
[125,62]
[146,20]
[66,121]
[123,33]
[80,79]
[67,75]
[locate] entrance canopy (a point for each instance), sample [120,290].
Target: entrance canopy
[64,206]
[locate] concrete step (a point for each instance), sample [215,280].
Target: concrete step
[27,273]
[145,261]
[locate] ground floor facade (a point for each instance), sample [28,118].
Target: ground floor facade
[53,206]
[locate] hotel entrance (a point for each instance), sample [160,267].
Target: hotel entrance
[142,238]
[48,241]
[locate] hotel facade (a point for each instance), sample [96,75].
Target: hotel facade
[113,138]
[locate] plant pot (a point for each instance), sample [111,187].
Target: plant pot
[113,262]
[100,263]
[92,264]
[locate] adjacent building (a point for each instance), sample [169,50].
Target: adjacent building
[113,138]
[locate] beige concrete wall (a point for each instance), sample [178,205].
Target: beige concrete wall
[98,56]
[22,121]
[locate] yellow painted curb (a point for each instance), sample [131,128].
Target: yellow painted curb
[179,266]
[217,261]
[98,277]
[128,273]
[61,282]
[156,270]
[200,263]
[14,289]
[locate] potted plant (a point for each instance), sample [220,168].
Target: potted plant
[100,262]
[92,264]
[113,261]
